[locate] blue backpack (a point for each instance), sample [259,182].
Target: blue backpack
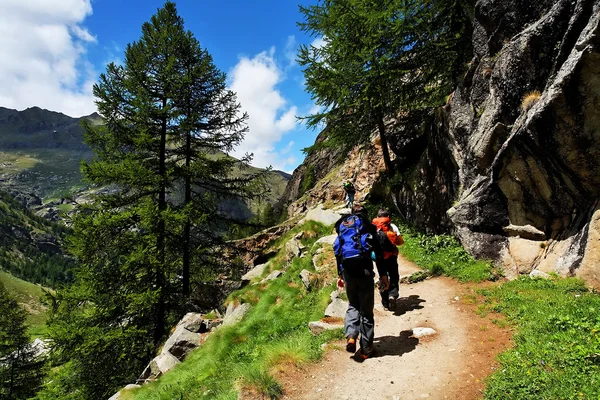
[352,240]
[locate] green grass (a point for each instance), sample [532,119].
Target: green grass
[444,254]
[272,337]
[53,172]
[557,343]
[29,296]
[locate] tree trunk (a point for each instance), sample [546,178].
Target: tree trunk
[160,240]
[187,227]
[384,146]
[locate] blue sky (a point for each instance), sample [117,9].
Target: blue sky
[51,52]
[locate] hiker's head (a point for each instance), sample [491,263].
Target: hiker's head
[383,213]
[358,209]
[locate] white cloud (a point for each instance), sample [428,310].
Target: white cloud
[42,48]
[255,81]
[290,51]
[318,42]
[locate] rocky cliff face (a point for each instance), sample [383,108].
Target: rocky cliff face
[510,164]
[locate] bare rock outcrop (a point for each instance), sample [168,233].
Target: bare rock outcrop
[517,182]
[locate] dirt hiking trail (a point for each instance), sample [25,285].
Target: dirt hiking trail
[450,364]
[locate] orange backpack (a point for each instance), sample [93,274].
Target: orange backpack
[383,224]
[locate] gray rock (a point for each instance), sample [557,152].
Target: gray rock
[539,274]
[159,366]
[202,325]
[237,314]
[273,275]
[327,239]
[337,308]
[182,342]
[117,395]
[318,266]
[420,332]
[293,249]
[326,217]
[525,231]
[318,327]
[306,276]
[255,272]
[229,310]
[334,295]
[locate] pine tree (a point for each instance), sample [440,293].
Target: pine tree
[20,371]
[378,59]
[169,119]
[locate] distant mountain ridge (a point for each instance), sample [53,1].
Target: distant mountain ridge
[39,128]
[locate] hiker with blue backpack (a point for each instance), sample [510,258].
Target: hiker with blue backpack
[353,246]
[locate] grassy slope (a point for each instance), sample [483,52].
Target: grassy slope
[29,296]
[443,254]
[273,335]
[557,341]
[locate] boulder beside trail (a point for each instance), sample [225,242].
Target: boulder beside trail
[237,314]
[337,308]
[306,277]
[117,395]
[254,273]
[318,327]
[159,366]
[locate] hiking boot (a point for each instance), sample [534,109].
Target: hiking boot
[385,303]
[392,303]
[351,345]
[363,354]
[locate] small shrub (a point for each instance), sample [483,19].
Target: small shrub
[530,99]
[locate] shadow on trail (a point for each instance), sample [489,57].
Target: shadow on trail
[406,304]
[393,345]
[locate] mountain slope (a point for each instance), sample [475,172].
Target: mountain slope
[41,151]
[30,246]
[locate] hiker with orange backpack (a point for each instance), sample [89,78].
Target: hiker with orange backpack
[389,237]
[353,247]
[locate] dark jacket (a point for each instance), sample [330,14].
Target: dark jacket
[366,262]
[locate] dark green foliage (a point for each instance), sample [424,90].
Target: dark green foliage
[20,372]
[168,120]
[557,344]
[21,254]
[381,58]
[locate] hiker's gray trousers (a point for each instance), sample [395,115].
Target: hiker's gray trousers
[359,316]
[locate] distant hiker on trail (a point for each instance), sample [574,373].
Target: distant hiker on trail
[353,246]
[350,191]
[389,237]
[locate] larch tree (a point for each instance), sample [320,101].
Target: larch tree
[21,372]
[379,58]
[161,163]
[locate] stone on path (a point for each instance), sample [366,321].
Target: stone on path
[420,332]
